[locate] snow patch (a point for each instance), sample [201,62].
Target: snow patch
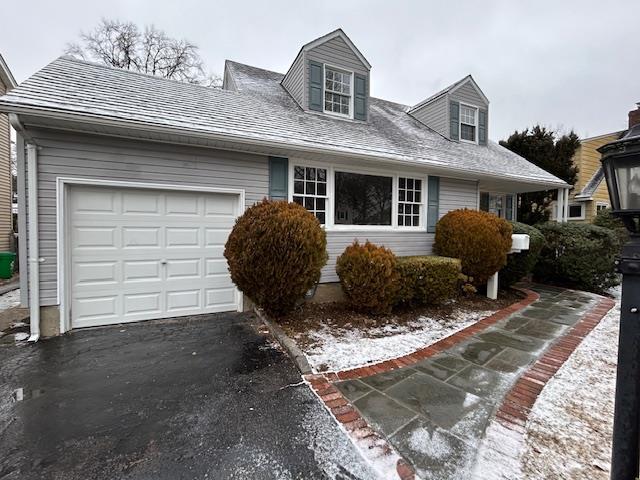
[10,300]
[338,349]
[430,444]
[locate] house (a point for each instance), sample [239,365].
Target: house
[138,180]
[590,193]
[7,82]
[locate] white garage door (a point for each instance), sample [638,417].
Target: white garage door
[138,254]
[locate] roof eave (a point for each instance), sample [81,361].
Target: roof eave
[6,76]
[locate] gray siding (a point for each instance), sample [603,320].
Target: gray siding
[227,81]
[294,80]
[454,194]
[467,94]
[111,159]
[337,53]
[434,115]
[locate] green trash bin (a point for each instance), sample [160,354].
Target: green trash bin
[6,264]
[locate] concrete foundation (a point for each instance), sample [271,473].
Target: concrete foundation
[50,321]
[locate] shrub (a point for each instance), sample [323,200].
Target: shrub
[275,253]
[605,219]
[480,240]
[522,264]
[426,280]
[369,277]
[579,255]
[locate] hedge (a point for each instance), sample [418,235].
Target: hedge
[521,264]
[426,280]
[579,255]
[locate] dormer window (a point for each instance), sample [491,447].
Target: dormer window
[337,91]
[468,123]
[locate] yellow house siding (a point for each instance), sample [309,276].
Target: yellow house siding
[587,158]
[6,229]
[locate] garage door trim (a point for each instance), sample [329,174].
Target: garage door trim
[63,247]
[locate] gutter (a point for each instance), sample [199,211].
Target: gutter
[33,259]
[274,144]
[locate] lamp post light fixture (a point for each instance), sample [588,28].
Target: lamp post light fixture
[621,165]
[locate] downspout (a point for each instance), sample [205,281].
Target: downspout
[34,253]
[33,260]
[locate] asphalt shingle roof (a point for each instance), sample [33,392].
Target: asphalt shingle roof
[260,110]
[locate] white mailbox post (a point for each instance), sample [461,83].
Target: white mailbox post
[519,242]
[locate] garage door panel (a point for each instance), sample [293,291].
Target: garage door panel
[149,254]
[141,237]
[143,270]
[143,303]
[183,300]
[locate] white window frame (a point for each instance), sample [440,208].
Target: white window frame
[582,211]
[316,195]
[601,206]
[460,122]
[324,89]
[331,168]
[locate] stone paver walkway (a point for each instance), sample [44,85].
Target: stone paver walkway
[435,412]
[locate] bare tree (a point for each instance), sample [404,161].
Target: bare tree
[122,45]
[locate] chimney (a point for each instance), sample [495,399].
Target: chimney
[634,116]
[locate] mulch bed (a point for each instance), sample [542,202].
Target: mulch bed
[314,316]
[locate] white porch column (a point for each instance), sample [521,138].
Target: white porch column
[566,205]
[560,206]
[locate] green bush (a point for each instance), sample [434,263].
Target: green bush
[369,277]
[480,240]
[426,280]
[579,255]
[522,264]
[605,219]
[275,253]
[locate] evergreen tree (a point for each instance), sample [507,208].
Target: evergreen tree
[543,148]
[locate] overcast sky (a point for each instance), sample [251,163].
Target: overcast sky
[564,64]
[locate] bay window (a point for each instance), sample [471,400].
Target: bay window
[342,199]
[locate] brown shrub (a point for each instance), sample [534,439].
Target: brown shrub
[480,240]
[368,277]
[427,280]
[275,253]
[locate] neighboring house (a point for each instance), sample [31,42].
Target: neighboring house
[7,82]
[140,179]
[590,193]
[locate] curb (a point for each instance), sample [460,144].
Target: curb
[299,359]
[514,411]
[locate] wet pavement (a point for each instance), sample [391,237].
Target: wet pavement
[435,412]
[203,398]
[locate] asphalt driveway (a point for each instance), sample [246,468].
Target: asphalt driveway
[190,399]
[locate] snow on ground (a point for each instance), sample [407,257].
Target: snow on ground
[570,427]
[336,349]
[569,430]
[10,299]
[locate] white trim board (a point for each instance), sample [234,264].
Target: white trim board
[63,257]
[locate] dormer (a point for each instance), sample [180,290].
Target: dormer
[330,76]
[460,112]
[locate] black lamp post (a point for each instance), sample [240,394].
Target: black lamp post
[621,164]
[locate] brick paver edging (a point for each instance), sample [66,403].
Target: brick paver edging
[356,426]
[514,410]
[439,346]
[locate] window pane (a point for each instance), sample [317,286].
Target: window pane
[320,203]
[321,217]
[322,189]
[418,185]
[298,187]
[322,175]
[311,188]
[400,220]
[362,199]
[308,203]
[467,132]
[402,181]
[416,221]
[311,173]
[575,211]
[298,200]
[298,173]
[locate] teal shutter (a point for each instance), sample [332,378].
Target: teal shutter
[315,86]
[360,98]
[484,201]
[482,127]
[278,178]
[454,120]
[433,203]
[508,214]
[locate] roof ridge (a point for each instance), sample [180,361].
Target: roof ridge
[127,71]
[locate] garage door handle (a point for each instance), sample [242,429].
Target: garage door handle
[163,261]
